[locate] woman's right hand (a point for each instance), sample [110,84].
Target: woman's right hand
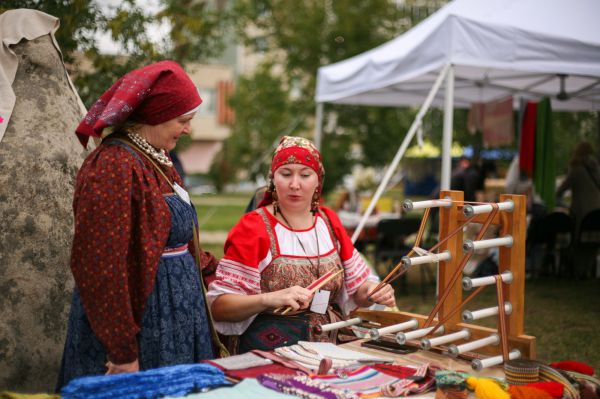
[295,297]
[113,368]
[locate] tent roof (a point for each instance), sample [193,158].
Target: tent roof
[498,48]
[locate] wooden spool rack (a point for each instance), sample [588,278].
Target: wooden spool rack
[511,259]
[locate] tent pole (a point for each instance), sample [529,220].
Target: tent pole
[448,125]
[407,139]
[318,125]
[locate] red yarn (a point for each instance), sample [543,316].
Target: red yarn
[572,365]
[554,389]
[525,392]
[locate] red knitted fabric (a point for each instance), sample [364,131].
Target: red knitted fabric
[554,389]
[524,392]
[572,365]
[151,95]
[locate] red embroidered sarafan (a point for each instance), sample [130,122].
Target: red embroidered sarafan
[122,223]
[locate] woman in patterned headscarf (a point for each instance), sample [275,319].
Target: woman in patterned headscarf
[138,301]
[278,250]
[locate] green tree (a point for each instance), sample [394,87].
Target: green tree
[263,113]
[196,36]
[294,41]
[79,21]
[199,29]
[299,40]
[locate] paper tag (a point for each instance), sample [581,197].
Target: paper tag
[180,191]
[320,302]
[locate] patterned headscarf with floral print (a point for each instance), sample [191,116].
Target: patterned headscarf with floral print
[294,150]
[151,95]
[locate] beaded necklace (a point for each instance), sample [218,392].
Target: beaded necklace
[159,155]
[302,245]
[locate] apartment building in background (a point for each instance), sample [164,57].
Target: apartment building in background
[212,122]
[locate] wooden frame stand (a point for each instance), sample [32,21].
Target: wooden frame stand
[511,223]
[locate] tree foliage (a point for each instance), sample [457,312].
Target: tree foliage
[196,36]
[263,113]
[79,20]
[295,42]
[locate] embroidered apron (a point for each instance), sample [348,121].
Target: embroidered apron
[268,330]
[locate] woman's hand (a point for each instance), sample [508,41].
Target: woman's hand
[295,297]
[384,296]
[122,368]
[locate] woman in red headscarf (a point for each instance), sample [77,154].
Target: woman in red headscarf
[138,301]
[278,250]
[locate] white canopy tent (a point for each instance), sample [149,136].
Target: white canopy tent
[485,51]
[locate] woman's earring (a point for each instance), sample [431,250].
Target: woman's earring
[275,204]
[314,205]
[271,189]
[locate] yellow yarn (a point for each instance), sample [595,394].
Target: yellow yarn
[486,388]
[15,395]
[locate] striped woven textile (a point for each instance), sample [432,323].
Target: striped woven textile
[378,380]
[548,373]
[521,372]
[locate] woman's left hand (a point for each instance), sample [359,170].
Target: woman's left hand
[112,368]
[384,296]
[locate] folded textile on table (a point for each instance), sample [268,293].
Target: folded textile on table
[310,354]
[173,380]
[282,360]
[382,380]
[303,387]
[243,361]
[450,378]
[257,363]
[327,349]
[548,373]
[254,372]
[362,383]
[246,389]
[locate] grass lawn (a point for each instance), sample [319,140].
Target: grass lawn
[218,217]
[215,249]
[220,212]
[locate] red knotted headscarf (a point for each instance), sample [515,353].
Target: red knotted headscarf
[294,150]
[151,95]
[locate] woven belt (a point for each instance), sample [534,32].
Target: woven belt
[521,372]
[176,251]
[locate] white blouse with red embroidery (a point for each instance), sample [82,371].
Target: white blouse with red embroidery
[248,253]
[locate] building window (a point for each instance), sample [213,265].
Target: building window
[209,105]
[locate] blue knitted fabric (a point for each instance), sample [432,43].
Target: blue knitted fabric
[173,380]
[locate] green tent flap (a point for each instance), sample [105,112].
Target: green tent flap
[544,174]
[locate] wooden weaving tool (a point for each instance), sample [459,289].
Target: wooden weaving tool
[315,286]
[449,327]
